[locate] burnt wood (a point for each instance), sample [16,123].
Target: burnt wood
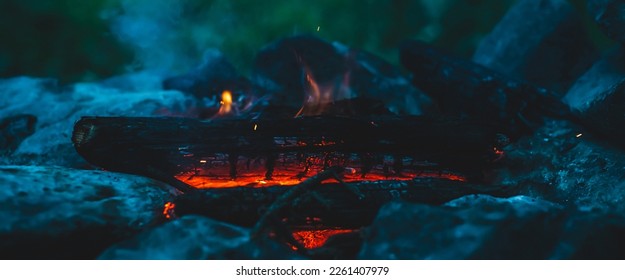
[327,205]
[164,147]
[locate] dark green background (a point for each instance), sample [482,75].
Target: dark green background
[72,40]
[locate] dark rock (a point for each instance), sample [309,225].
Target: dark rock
[598,97]
[562,163]
[58,213]
[591,235]
[483,227]
[200,238]
[287,69]
[473,227]
[541,41]
[464,89]
[58,108]
[214,75]
[13,130]
[610,16]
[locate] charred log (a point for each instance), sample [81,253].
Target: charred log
[341,208]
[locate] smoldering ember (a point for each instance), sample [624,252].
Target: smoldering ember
[326,151]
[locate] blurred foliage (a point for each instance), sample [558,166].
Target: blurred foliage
[61,38]
[77,40]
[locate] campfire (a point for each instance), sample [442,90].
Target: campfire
[325,151]
[350,153]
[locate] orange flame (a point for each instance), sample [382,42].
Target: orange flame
[168,210]
[312,239]
[319,96]
[226,104]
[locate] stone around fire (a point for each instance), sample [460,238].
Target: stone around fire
[61,213]
[541,41]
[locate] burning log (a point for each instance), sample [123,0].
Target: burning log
[341,208]
[236,152]
[465,89]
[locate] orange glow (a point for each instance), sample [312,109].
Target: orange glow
[312,239]
[226,103]
[498,153]
[168,210]
[291,178]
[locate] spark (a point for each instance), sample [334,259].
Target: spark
[203,161]
[255,127]
[168,210]
[318,27]
[578,135]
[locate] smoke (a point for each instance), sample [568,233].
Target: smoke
[168,37]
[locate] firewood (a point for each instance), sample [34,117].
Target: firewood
[246,206]
[234,149]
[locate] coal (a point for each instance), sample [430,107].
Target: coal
[210,78]
[13,130]
[610,16]
[463,89]
[598,97]
[61,213]
[541,41]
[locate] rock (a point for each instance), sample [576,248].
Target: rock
[593,235]
[541,41]
[13,130]
[61,213]
[483,227]
[209,79]
[292,68]
[610,16]
[196,238]
[562,163]
[473,227]
[463,89]
[57,108]
[598,97]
